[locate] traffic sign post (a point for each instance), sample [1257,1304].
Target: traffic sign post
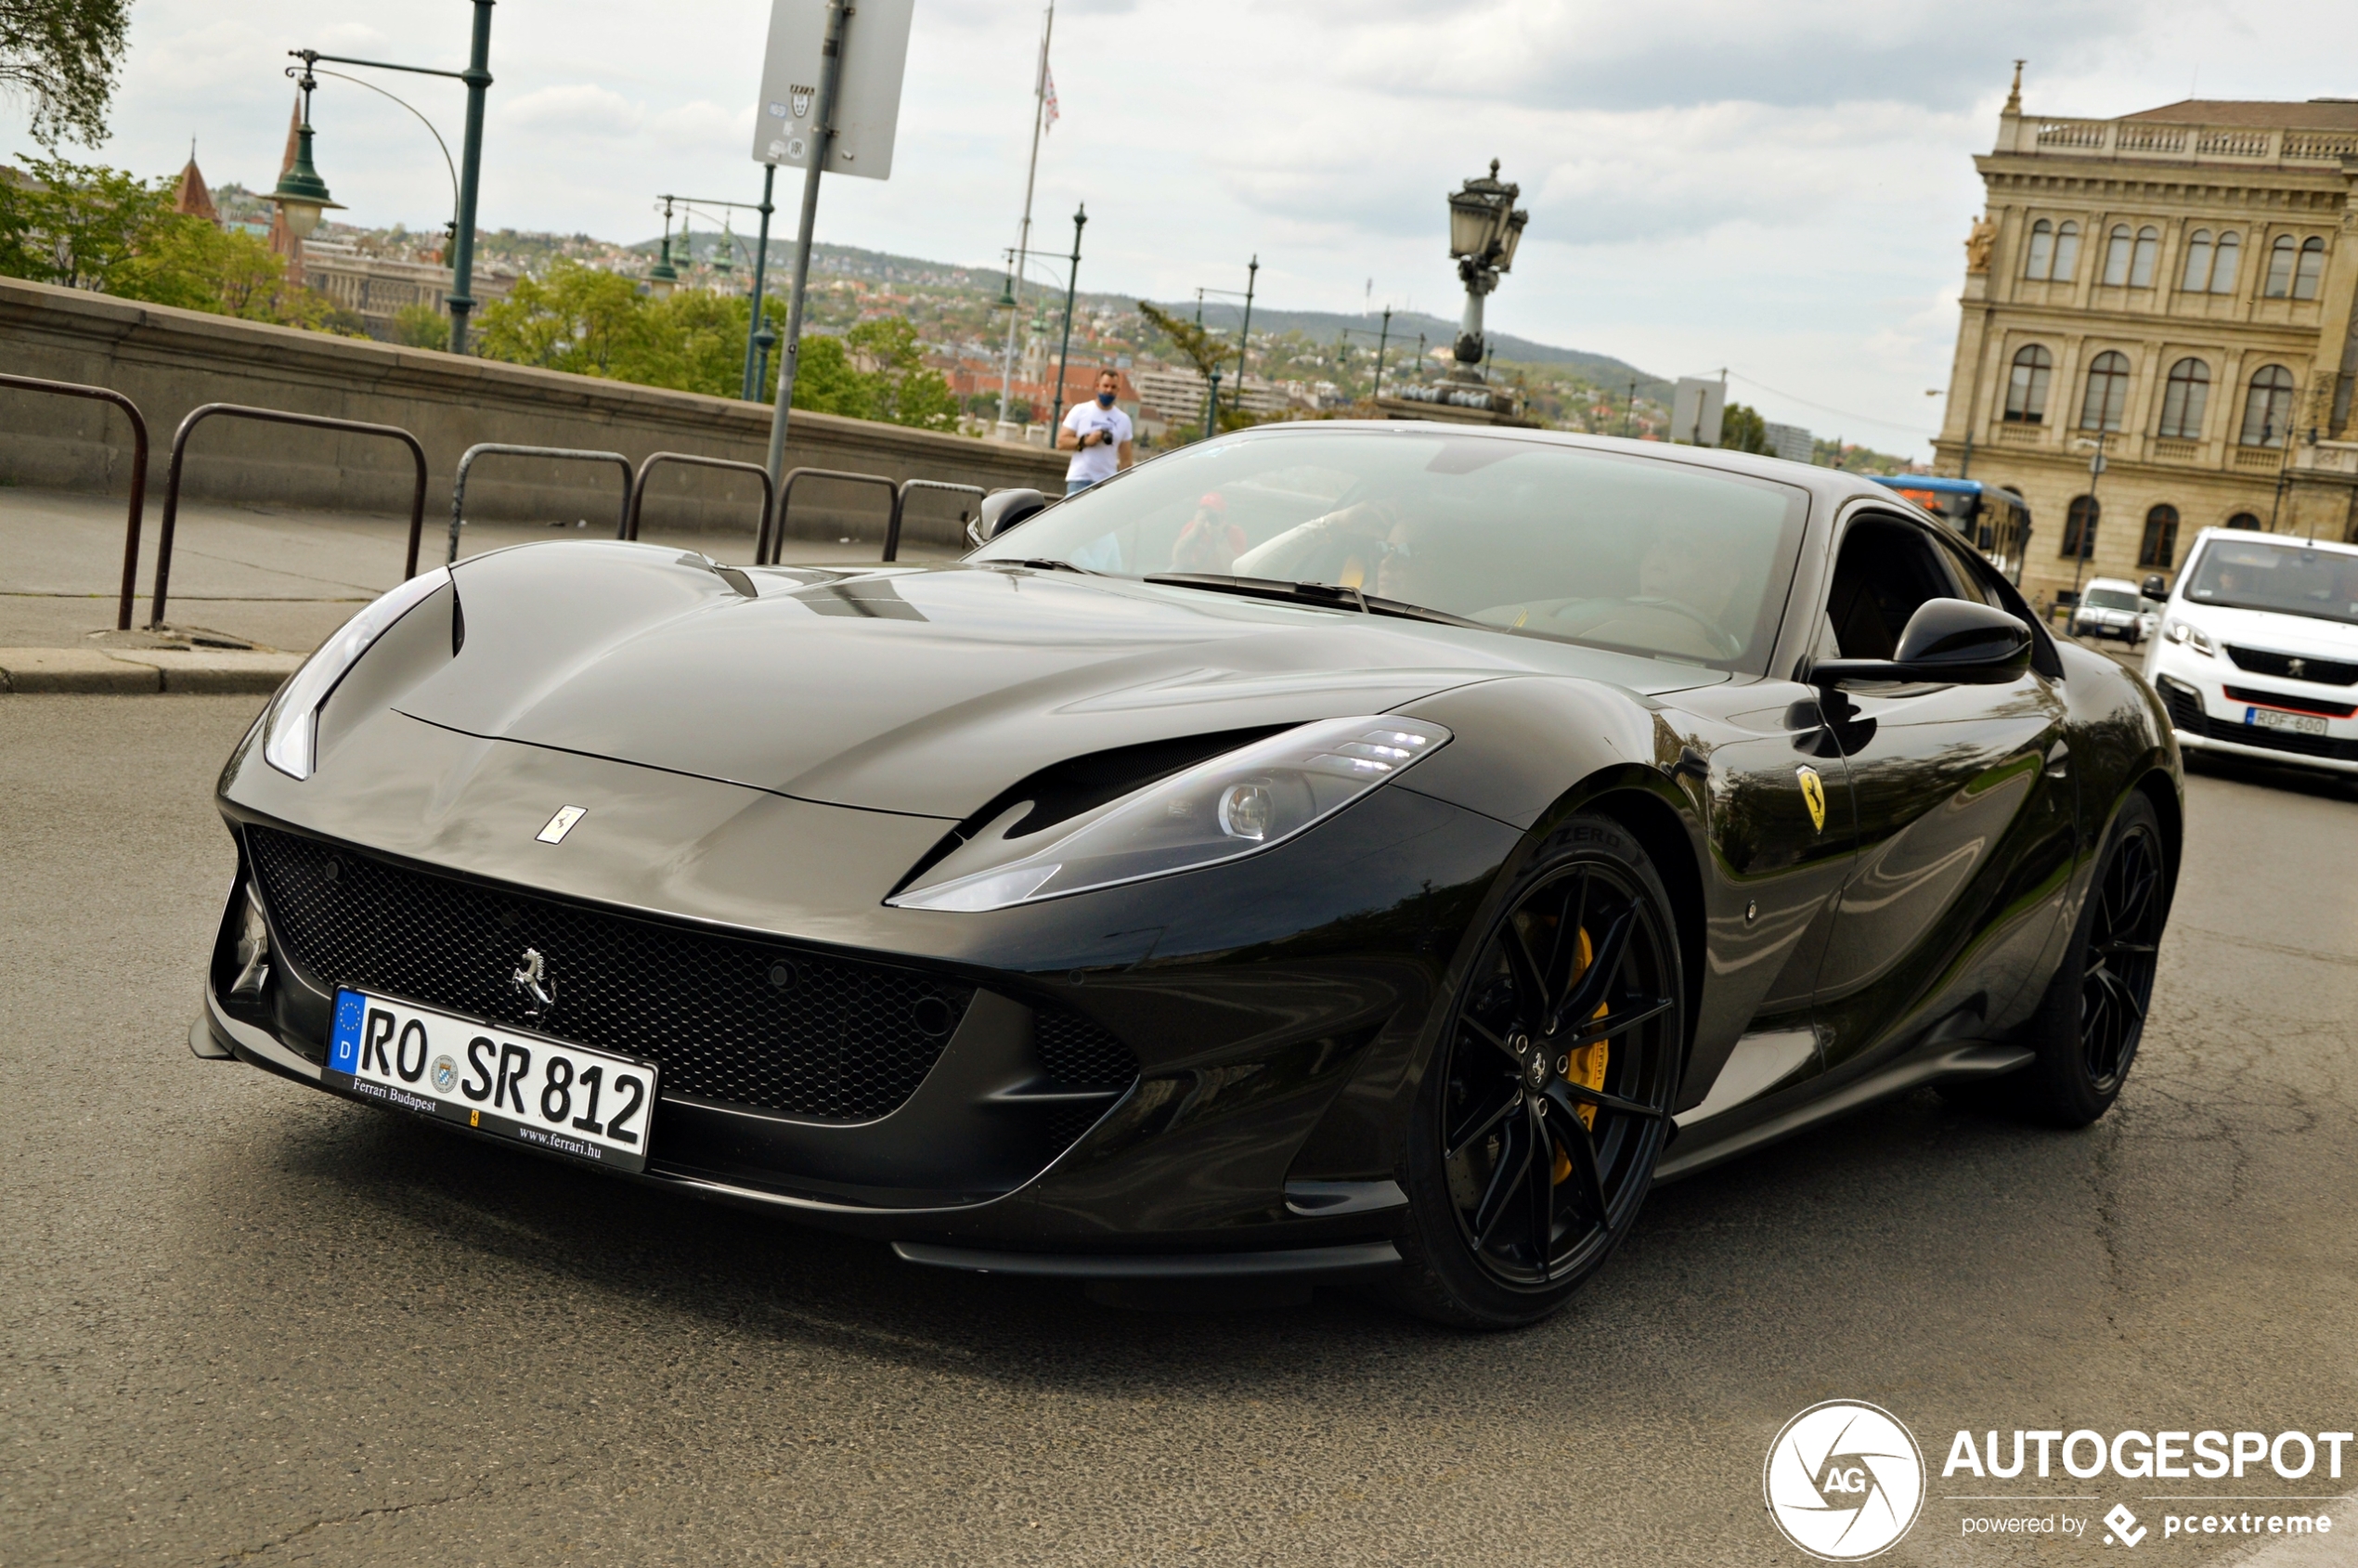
[825,105]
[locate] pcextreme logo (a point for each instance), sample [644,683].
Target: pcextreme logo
[1843,1481]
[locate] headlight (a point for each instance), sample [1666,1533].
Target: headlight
[1235,805]
[2180,631]
[293,725]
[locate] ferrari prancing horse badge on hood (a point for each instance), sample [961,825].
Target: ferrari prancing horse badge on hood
[1813,794]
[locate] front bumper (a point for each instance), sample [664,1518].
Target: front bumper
[2213,706]
[1241,1007]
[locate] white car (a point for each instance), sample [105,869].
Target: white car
[2113,608]
[2258,654]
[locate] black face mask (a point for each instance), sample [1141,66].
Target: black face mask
[1105,400]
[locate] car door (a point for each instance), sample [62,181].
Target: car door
[1964,808]
[1777,798]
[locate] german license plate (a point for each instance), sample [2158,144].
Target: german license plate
[2277,718]
[570,1100]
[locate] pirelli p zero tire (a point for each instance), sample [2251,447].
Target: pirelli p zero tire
[1546,1101]
[2090,1023]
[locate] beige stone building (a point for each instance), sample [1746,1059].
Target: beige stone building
[2177,286]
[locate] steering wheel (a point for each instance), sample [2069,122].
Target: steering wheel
[1716,637]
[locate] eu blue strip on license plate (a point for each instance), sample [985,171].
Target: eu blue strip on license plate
[552,1094]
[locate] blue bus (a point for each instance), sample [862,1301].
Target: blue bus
[1994,520]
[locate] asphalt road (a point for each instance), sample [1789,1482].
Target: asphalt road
[244,1321]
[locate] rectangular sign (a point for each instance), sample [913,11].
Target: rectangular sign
[565,1099]
[875,55]
[1694,412]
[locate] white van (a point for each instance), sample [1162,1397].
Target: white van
[2258,654]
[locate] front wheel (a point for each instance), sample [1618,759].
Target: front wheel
[2093,1019]
[1548,1099]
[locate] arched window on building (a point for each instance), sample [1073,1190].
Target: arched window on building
[2107,395]
[2282,255]
[2244,520]
[2140,268]
[2079,527]
[2185,400]
[2312,270]
[2268,407]
[2222,266]
[2026,385]
[2066,252]
[2159,548]
[2040,260]
[2195,278]
[2118,246]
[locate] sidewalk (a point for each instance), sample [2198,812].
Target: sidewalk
[254,587]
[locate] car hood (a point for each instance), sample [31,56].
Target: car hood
[921,690]
[2279,633]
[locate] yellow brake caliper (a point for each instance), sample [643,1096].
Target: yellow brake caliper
[1588,1064]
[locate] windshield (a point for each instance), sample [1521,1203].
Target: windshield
[1638,554]
[2111,598]
[2289,578]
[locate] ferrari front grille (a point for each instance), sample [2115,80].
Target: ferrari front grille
[731,1020]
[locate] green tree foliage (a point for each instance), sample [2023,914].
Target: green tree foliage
[1742,430]
[420,326]
[1202,350]
[63,55]
[596,323]
[109,231]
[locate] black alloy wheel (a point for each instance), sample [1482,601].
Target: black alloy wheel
[2116,976]
[2086,1032]
[1551,1102]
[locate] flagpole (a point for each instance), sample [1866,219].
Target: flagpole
[1006,429]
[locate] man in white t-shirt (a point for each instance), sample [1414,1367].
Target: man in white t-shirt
[1098,435]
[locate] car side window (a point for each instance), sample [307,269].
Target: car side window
[1886,570]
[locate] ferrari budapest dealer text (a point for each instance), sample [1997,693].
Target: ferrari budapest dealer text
[1846,1481]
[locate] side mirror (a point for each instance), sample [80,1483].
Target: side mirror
[2156,586]
[1951,641]
[1001,511]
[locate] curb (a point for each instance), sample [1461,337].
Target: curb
[91,672]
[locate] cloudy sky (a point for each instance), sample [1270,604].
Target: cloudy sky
[1779,190]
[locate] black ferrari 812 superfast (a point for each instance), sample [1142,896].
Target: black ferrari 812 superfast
[1329,852]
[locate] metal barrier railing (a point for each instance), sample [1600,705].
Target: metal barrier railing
[139,474]
[638,491]
[900,507]
[775,544]
[503,449]
[273,416]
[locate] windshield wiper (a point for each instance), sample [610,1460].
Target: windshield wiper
[1326,594]
[1044,564]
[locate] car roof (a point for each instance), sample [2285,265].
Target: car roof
[2122,583]
[2288,540]
[1832,485]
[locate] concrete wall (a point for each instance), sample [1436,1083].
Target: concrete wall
[170,361]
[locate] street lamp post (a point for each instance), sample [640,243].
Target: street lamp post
[1211,406]
[1244,332]
[663,278]
[1064,352]
[302,202]
[1484,227]
[758,336]
[2088,525]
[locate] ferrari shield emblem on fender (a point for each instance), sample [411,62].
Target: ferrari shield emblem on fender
[1813,795]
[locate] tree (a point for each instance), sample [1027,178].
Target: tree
[1202,350]
[63,56]
[574,317]
[420,326]
[108,231]
[902,389]
[1742,430]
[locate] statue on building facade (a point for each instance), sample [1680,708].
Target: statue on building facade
[1979,243]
